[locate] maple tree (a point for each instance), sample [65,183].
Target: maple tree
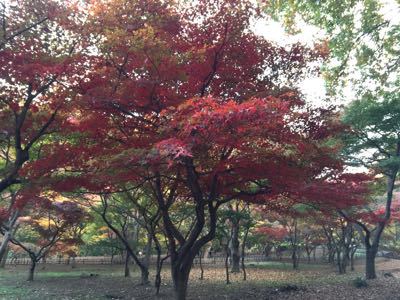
[363,44]
[174,103]
[38,62]
[47,223]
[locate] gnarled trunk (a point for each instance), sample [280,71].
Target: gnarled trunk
[180,275]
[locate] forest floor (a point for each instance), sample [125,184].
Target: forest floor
[270,280]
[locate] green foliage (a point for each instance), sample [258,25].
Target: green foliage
[375,139]
[362,41]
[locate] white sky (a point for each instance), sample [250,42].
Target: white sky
[312,87]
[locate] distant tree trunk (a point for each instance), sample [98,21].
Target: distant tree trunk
[340,262]
[112,255]
[32,269]
[157,281]
[371,252]
[148,250]
[352,254]
[330,247]
[227,264]
[4,244]
[201,266]
[73,263]
[314,251]
[127,260]
[234,247]
[295,254]
[295,259]
[11,228]
[267,250]
[4,258]
[243,253]
[308,251]
[44,258]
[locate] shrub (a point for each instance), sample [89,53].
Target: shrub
[360,282]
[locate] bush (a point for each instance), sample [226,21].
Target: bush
[360,282]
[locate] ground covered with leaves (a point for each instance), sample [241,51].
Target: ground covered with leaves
[270,280]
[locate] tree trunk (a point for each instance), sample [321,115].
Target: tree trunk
[314,251]
[201,266]
[127,260]
[370,272]
[352,260]
[4,258]
[340,263]
[227,265]
[308,256]
[331,255]
[4,244]
[180,276]
[31,270]
[144,275]
[295,260]
[243,253]
[73,263]
[44,259]
[234,245]
[8,234]
[267,250]
[157,281]
[147,251]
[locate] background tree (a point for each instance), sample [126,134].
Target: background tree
[365,45]
[46,225]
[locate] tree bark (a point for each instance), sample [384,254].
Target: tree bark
[180,277]
[201,266]
[148,250]
[294,237]
[227,265]
[8,234]
[234,245]
[127,260]
[32,270]
[243,253]
[4,258]
[370,272]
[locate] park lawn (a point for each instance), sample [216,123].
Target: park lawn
[269,280]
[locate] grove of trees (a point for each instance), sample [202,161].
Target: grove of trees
[170,128]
